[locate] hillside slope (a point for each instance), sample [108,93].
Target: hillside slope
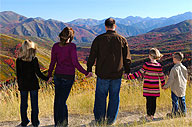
[8,53]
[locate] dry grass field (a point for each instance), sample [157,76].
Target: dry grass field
[81,102]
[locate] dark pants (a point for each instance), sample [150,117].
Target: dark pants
[62,90]
[34,107]
[151,105]
[176,106]
[103,87]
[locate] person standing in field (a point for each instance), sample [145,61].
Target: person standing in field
[111,53]
[27,67]
[64,55]
[152,73]
[177,81]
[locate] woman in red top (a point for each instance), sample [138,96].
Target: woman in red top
[64,55]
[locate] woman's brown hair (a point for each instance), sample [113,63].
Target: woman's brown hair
[66,34]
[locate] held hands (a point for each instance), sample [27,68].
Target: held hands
[50,80]
[126,75]
[163,87]
[90,74]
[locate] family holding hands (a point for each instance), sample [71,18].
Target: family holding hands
[110,52]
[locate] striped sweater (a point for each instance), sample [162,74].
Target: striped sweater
[152,73]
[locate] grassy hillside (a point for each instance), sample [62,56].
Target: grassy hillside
[8,50]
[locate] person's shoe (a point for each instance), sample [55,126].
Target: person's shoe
[148,118]
[152,117]
[183,114]
[169,115]
[111,123]
[173,115]
[22,125]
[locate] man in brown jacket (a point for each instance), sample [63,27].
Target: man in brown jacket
[111,53]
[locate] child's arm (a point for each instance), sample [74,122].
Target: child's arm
[162,78]
[37,70]
[18,73]
[138,74]
[170,80]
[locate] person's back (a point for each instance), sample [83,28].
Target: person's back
[180,79]
[27,71]
[65,57]
[109,64]
[177,81]
[111,53]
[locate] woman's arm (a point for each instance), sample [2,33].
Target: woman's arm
[75,60]
[53,61]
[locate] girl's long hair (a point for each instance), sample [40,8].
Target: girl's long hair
[155,53]
[67,34]
[27,51]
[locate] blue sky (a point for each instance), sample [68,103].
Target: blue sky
[68,10]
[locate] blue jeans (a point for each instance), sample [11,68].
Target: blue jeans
[62,90]
[34,107]
[103,87]
[176,106]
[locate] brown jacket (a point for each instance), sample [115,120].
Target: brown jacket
[111,53]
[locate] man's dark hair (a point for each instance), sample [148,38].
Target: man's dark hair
[109,23]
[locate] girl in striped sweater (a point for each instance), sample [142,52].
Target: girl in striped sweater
[152,73]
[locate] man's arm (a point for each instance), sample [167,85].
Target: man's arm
[126,57]
[92,56]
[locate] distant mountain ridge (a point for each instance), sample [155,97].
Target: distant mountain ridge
[182,27]
[177,37]
[85,29]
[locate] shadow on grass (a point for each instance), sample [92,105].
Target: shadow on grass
[48,126]
[131,123]
[140,122]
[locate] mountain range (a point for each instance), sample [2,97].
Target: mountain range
[168,39]
[85,29]
[172,38]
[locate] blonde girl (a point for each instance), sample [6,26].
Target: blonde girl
[27,69]
[151,72]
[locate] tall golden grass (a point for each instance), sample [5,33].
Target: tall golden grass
[81,99]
